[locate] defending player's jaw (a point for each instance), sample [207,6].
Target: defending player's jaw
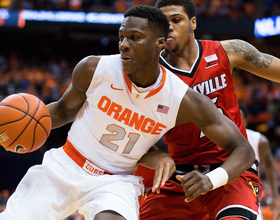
[138,45]
[181,28]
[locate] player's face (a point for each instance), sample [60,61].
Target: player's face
[137,44]
[181,28]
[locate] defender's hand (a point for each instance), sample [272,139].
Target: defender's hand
[195,184]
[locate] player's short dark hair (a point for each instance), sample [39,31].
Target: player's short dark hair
[156,19]
[188,5]
[243,108]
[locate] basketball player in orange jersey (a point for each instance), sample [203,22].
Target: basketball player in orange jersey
[207,67]
[121,105]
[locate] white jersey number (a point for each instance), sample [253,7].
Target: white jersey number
[118,133]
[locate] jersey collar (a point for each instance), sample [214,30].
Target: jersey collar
[151,93]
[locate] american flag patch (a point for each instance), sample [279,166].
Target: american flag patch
[210,58]
[163,109]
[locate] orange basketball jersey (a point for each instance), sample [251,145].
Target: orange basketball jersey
[117,124]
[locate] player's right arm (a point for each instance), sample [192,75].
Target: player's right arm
[66,108]
[245,56]
[268,162]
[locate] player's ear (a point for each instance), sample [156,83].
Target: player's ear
[160,42]
[193,23]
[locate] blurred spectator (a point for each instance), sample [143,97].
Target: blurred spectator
[235,9]
[4,3]
[271,8]
[46,82]
[120,6]
[249,9]
[75,5]
[216,8]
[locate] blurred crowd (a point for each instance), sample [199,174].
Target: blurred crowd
[47,81]
[232,9]
[237,9]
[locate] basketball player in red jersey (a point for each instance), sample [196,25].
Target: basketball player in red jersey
[207,67]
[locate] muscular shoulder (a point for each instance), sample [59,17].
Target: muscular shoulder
[245,56]
[240,52]
[83,72]
[199,107]
[237,49]
[234,45]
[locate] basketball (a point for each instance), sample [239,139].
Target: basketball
[25,123]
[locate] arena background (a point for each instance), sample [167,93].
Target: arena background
[38,57]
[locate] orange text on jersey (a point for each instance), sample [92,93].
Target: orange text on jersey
[93,170]
[132,119]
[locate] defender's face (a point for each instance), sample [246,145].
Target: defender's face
[181,28]
[137,44]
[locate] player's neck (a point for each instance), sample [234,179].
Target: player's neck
[146,77]
[185,58]
[151,87]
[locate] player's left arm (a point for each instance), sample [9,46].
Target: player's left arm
[200,110]
[268,162]
[162,163]
[243,55]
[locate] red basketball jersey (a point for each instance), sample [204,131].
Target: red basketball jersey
[211,76]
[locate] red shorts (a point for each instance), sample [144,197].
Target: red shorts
[239,198]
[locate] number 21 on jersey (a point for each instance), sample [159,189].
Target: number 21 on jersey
[117,134]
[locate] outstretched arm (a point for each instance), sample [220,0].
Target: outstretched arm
[245,56]
[66,108]
[200,110]
[268,162]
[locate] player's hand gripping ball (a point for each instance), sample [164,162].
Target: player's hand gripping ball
[25,123]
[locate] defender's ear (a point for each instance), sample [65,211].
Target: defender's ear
[193,23]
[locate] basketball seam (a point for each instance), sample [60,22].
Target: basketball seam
[25,113]
[35,125]
[42,125]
